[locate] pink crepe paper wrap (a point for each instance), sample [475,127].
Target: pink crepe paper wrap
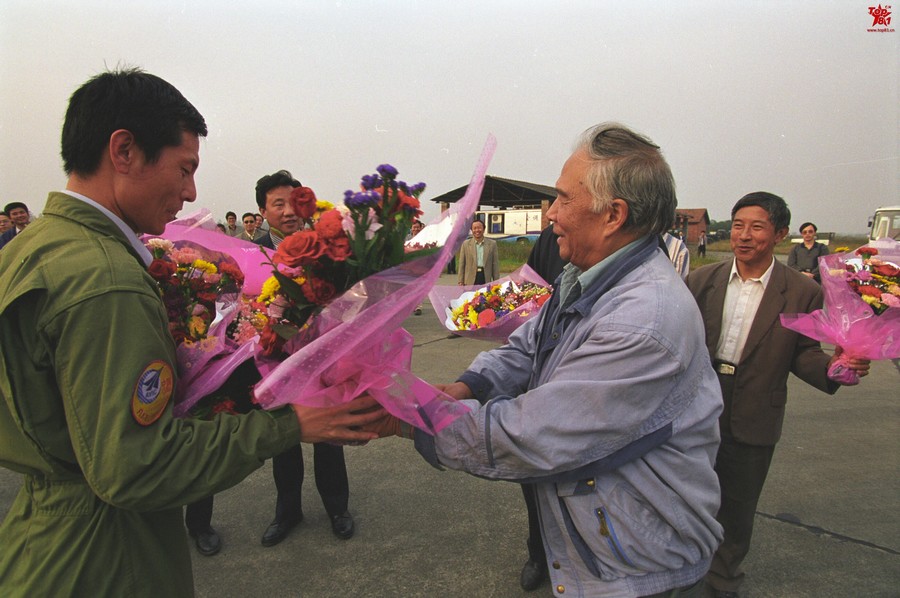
[356,342]
[848,321]
[500,329]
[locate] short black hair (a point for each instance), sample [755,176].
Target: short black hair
[150,108]
[270,181]
[776,207]
[229,214]
[805,224]
[14,205]
[251,214]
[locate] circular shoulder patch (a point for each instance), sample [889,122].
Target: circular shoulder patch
[152,392]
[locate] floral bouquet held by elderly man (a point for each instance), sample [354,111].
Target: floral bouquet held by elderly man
[861,313]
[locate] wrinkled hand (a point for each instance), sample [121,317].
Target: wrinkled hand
[860,366]
[457,390]
[342,424]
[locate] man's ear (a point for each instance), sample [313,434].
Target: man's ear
[616,214]
[122,150]
[780,234]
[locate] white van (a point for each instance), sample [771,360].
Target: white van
[885,223]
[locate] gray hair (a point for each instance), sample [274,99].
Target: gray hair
[628,166]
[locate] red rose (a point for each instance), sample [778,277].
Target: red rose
[318,291]
[270,342]
[227,406]
[871,291]
[486,317]
[233,272]
[329,225]
[408,203]
[885,270]
[161,269]
[338,249]
[867,251]
[301,248]
[541,299]
[303,200]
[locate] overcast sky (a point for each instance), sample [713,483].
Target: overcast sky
[796,98]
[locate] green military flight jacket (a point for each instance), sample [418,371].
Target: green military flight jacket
[81,328]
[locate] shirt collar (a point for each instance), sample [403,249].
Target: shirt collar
[573,274]
[136,243]
[764,279]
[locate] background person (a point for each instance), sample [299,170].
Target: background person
[804,257]
[5,222]
[19,216]
[231,227]
[479,260]
[251,232]
[741,301]
[273,196]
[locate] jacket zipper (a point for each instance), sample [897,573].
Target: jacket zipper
[607,531]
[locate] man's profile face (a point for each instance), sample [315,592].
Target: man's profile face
[753,237]
[153,194]
[579,228]
[478,230]
[279,212]
[19,216]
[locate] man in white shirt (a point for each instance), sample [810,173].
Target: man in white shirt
[740,301]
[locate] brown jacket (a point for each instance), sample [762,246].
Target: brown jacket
[771,352]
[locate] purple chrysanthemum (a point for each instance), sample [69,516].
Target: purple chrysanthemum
[363,199]
[387,171]
[371,181]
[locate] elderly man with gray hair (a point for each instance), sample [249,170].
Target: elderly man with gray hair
[607,402]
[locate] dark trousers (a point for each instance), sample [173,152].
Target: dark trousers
[331,480]
[479,276]
[742,470]
[198,515]
[535,542]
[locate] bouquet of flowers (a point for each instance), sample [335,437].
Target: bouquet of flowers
[355,343]
[494,311]
[861,310]
[332,252]
[200,289]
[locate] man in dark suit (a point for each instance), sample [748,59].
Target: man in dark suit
[273,194]
[740,301]
[20,217]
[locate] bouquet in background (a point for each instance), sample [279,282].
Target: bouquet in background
[861,311]
[494,311]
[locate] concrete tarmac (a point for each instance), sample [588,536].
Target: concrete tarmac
[827,525]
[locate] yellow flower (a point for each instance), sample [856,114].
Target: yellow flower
[323,206]
[205,266]
[270,288]
[197,327]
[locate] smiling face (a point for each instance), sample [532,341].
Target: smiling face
[753,240]
[5,223]
[19,217]
[152,194]
[249,225]
[478,230]
[279,212]
[579,229]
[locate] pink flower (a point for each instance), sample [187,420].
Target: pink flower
[890,300]
[350,226]
[185,255]
[277,307]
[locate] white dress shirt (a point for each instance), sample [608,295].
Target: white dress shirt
[742,299]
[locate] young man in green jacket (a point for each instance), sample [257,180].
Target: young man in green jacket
[88,366]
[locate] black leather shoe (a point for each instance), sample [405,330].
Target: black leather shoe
[278,530]
[207,541]
[533,575]
[342,526]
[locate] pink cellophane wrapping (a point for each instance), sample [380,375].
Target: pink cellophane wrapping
[356,343]
[848,321]
[500,329]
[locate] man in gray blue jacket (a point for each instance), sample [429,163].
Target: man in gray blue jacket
[608,402]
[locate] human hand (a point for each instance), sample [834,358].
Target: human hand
[457,390]
[845,369]
[342,424]
[808,274]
